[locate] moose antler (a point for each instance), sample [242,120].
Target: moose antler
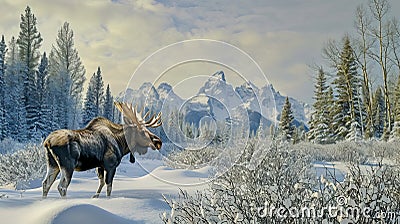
[128,112]
[134,115]
[154,121]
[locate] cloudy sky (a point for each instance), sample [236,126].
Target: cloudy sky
[283,37]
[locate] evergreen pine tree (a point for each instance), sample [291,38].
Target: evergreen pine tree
[348,111]
[64,58]
[29,42]
[171,131]
[299,134]
[108,110]
[44,116]
[61,102]
[3,121]
[378,113]
[15,101]
[302,133]
[88,112]
[116,115]
[330,104]
[286,126]
[94,98]
[320,123]
[296,138]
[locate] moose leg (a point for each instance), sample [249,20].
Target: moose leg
[100,175]
[67,158]
[52,172]
[65,180]
[109,179]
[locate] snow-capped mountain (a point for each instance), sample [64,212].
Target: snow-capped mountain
[220,100]
[299,108]
[221,96]
[168,97]
[145,95]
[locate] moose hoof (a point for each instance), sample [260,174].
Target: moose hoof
[96,196]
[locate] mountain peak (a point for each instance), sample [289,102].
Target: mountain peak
[165,86]
[219,75]
[250,86]
[146,85]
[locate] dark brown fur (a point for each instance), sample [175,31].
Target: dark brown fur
[101,145]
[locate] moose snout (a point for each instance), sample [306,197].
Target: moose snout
[156,142]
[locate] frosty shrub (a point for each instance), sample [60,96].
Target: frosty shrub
[9,145]
[22,166]
[357,152]
[236,195]
[283,188]
[362,152]
[388,150]
[372,191]
[193,159]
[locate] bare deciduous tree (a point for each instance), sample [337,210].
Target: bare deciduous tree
[380,32]
[363,45]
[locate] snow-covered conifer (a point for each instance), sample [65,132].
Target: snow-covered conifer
[94,98]
[286,126]
[64,58]
[14,99]
[42,125]
[320,123]
[29,41]
[3,121]
[108,106]
[348,105]
[378,113]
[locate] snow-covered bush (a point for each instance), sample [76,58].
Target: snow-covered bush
[369,194]
[363,152]
[236,195]
[389,150]
[22,166]
[283,188]
[9,145]
[193,159]
[357,152]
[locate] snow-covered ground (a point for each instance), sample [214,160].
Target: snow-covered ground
[136,196]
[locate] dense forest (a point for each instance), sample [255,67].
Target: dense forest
[357,90]
[42,92]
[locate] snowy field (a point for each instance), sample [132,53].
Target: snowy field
[136,196]
[138,188]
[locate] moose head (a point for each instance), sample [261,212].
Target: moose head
[137,136]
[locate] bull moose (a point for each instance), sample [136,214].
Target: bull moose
[101,145]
